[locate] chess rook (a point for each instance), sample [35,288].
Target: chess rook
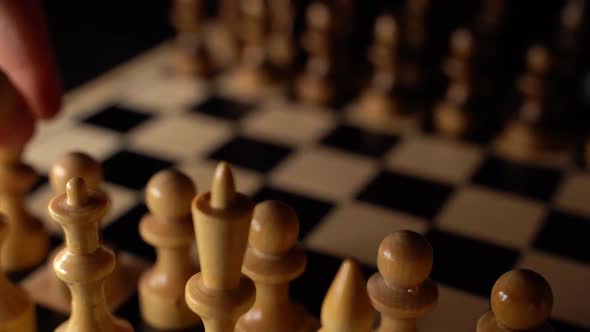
[401,291]
[220,294]
[17,312]
[84,264]
[272,260]
[521,301]
[169,228]
[346,306]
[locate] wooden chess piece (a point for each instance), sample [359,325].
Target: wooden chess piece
[346,307]
[316,84]
[220,293]
[272,261]
[17,312]
[527,132]
[169,228]
[413,24]
[378,100]
[71,165]
[84,264]
[27,241]
[452,116]
[521,301]
[401,291]
[253,73]
[192,56]
[281,48]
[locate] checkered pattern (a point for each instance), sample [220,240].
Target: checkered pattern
[350,184]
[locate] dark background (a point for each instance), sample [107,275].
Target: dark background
[92,36]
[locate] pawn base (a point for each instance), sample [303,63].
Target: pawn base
[489,323]
[296,319]
[451,121]
[316,91]
[219,309]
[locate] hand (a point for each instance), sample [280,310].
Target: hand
[26,58]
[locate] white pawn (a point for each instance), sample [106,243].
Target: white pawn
[401,291]
[169,228]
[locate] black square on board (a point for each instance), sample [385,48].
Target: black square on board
[309,210]
[123,234]
[221,107]
[468,264]
[131,169]
[415,196]
[356,140]
[525,180]
[251,153]
[117,118]
[566,235]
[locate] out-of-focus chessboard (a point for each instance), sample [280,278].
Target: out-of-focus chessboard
[350,184]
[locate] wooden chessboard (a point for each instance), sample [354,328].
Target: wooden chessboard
[350,182]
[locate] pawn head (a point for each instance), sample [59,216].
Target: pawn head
[386,29]
[274,228]
[405,259]
[538,59]
[169,194]
[75,165]
[521,299]
[318,16]
[462,42]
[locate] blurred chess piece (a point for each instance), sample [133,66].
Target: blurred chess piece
[521,301]
[253,73]
[281,47]
[17,311]
[316,84]
[452,115]
[27,241]
[379,100]
[191,54]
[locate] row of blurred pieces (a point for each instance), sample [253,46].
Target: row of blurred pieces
[463,75]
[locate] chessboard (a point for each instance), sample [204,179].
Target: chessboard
[351,181]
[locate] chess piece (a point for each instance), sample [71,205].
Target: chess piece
[452,116]
[71,165]
[272,260]
[413,24]
[346,307]
[521,301]
[253,73]
[169,228]
[27,241]
[17,312]
[315,85]
[192,56]
[220,294]
[281,49]
[401,291]
[378,100]
[569,38]
[529,131]
[84,264]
